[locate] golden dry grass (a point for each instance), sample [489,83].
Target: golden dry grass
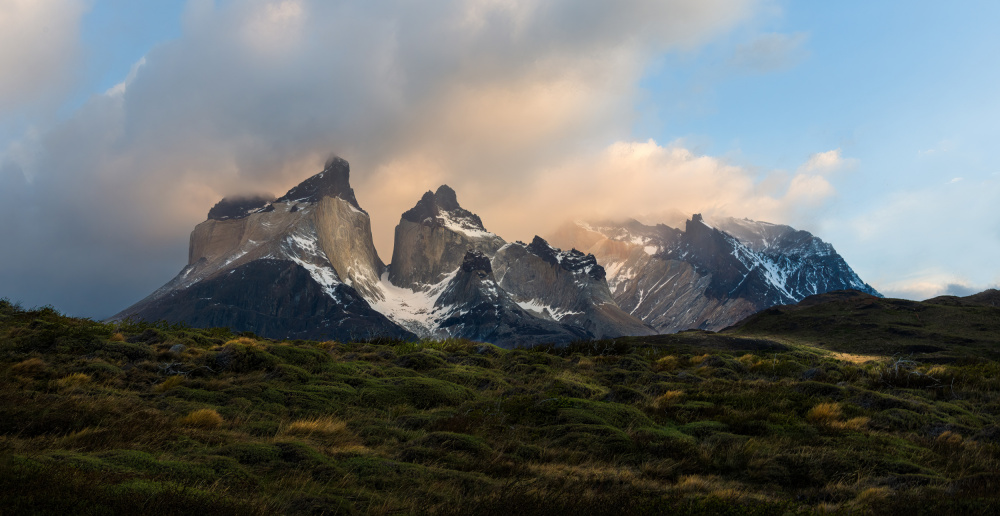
[318,426]
[73,381]
[246,341]
[667,363]
[29,367]
[855,358]
[202,418]
[667,399]
[824,413]
[169,383]
[117,337]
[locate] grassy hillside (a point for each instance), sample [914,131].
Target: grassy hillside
[943,329]
[156,419]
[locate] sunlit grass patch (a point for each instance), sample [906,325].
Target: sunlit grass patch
[169,383]
[30,367]
[73,381]
[668,399]
[202,418]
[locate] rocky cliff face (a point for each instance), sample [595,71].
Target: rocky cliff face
[432,239]
[474,306]
[317,227]
[564,286]
[703,277]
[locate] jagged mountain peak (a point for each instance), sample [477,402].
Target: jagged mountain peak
[239,206]
[432,239]
[572,260]
[440,207]
[333,181]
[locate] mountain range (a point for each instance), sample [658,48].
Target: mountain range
[304,265]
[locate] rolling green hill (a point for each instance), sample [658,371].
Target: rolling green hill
[842,404]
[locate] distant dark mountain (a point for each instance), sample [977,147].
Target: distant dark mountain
[709,277]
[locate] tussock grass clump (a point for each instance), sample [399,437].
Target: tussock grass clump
[828,415]
[30,367]
[202,418]
[117,337]
[668,399]
[667,363]
[321,426]
[245,341]
[73,381]
[824,414]
[169,383]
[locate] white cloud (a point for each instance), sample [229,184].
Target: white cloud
[826,163]
[38,45]
[651,182]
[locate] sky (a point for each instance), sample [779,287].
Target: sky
[870,124]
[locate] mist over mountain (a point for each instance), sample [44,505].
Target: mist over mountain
[304,265]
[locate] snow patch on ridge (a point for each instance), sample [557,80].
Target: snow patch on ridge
[412,309]
[549,311]
[463,226]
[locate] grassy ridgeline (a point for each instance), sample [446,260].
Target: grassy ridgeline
[158,419]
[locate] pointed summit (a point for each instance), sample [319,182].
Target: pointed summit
[432,239]
[333,181]
[442,204]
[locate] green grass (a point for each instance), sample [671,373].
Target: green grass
[97,419]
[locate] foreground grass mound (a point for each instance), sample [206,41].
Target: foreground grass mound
[158,419]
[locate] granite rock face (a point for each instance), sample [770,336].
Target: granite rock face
[432,239]
[473,306]
[317,227]
[564,286]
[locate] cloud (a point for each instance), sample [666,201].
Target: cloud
[38,46]
[650,182]
[826,163]
[489,96]
[770,52]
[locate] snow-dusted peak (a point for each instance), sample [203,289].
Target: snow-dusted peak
[333,181]
[441,209]
[573,261]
